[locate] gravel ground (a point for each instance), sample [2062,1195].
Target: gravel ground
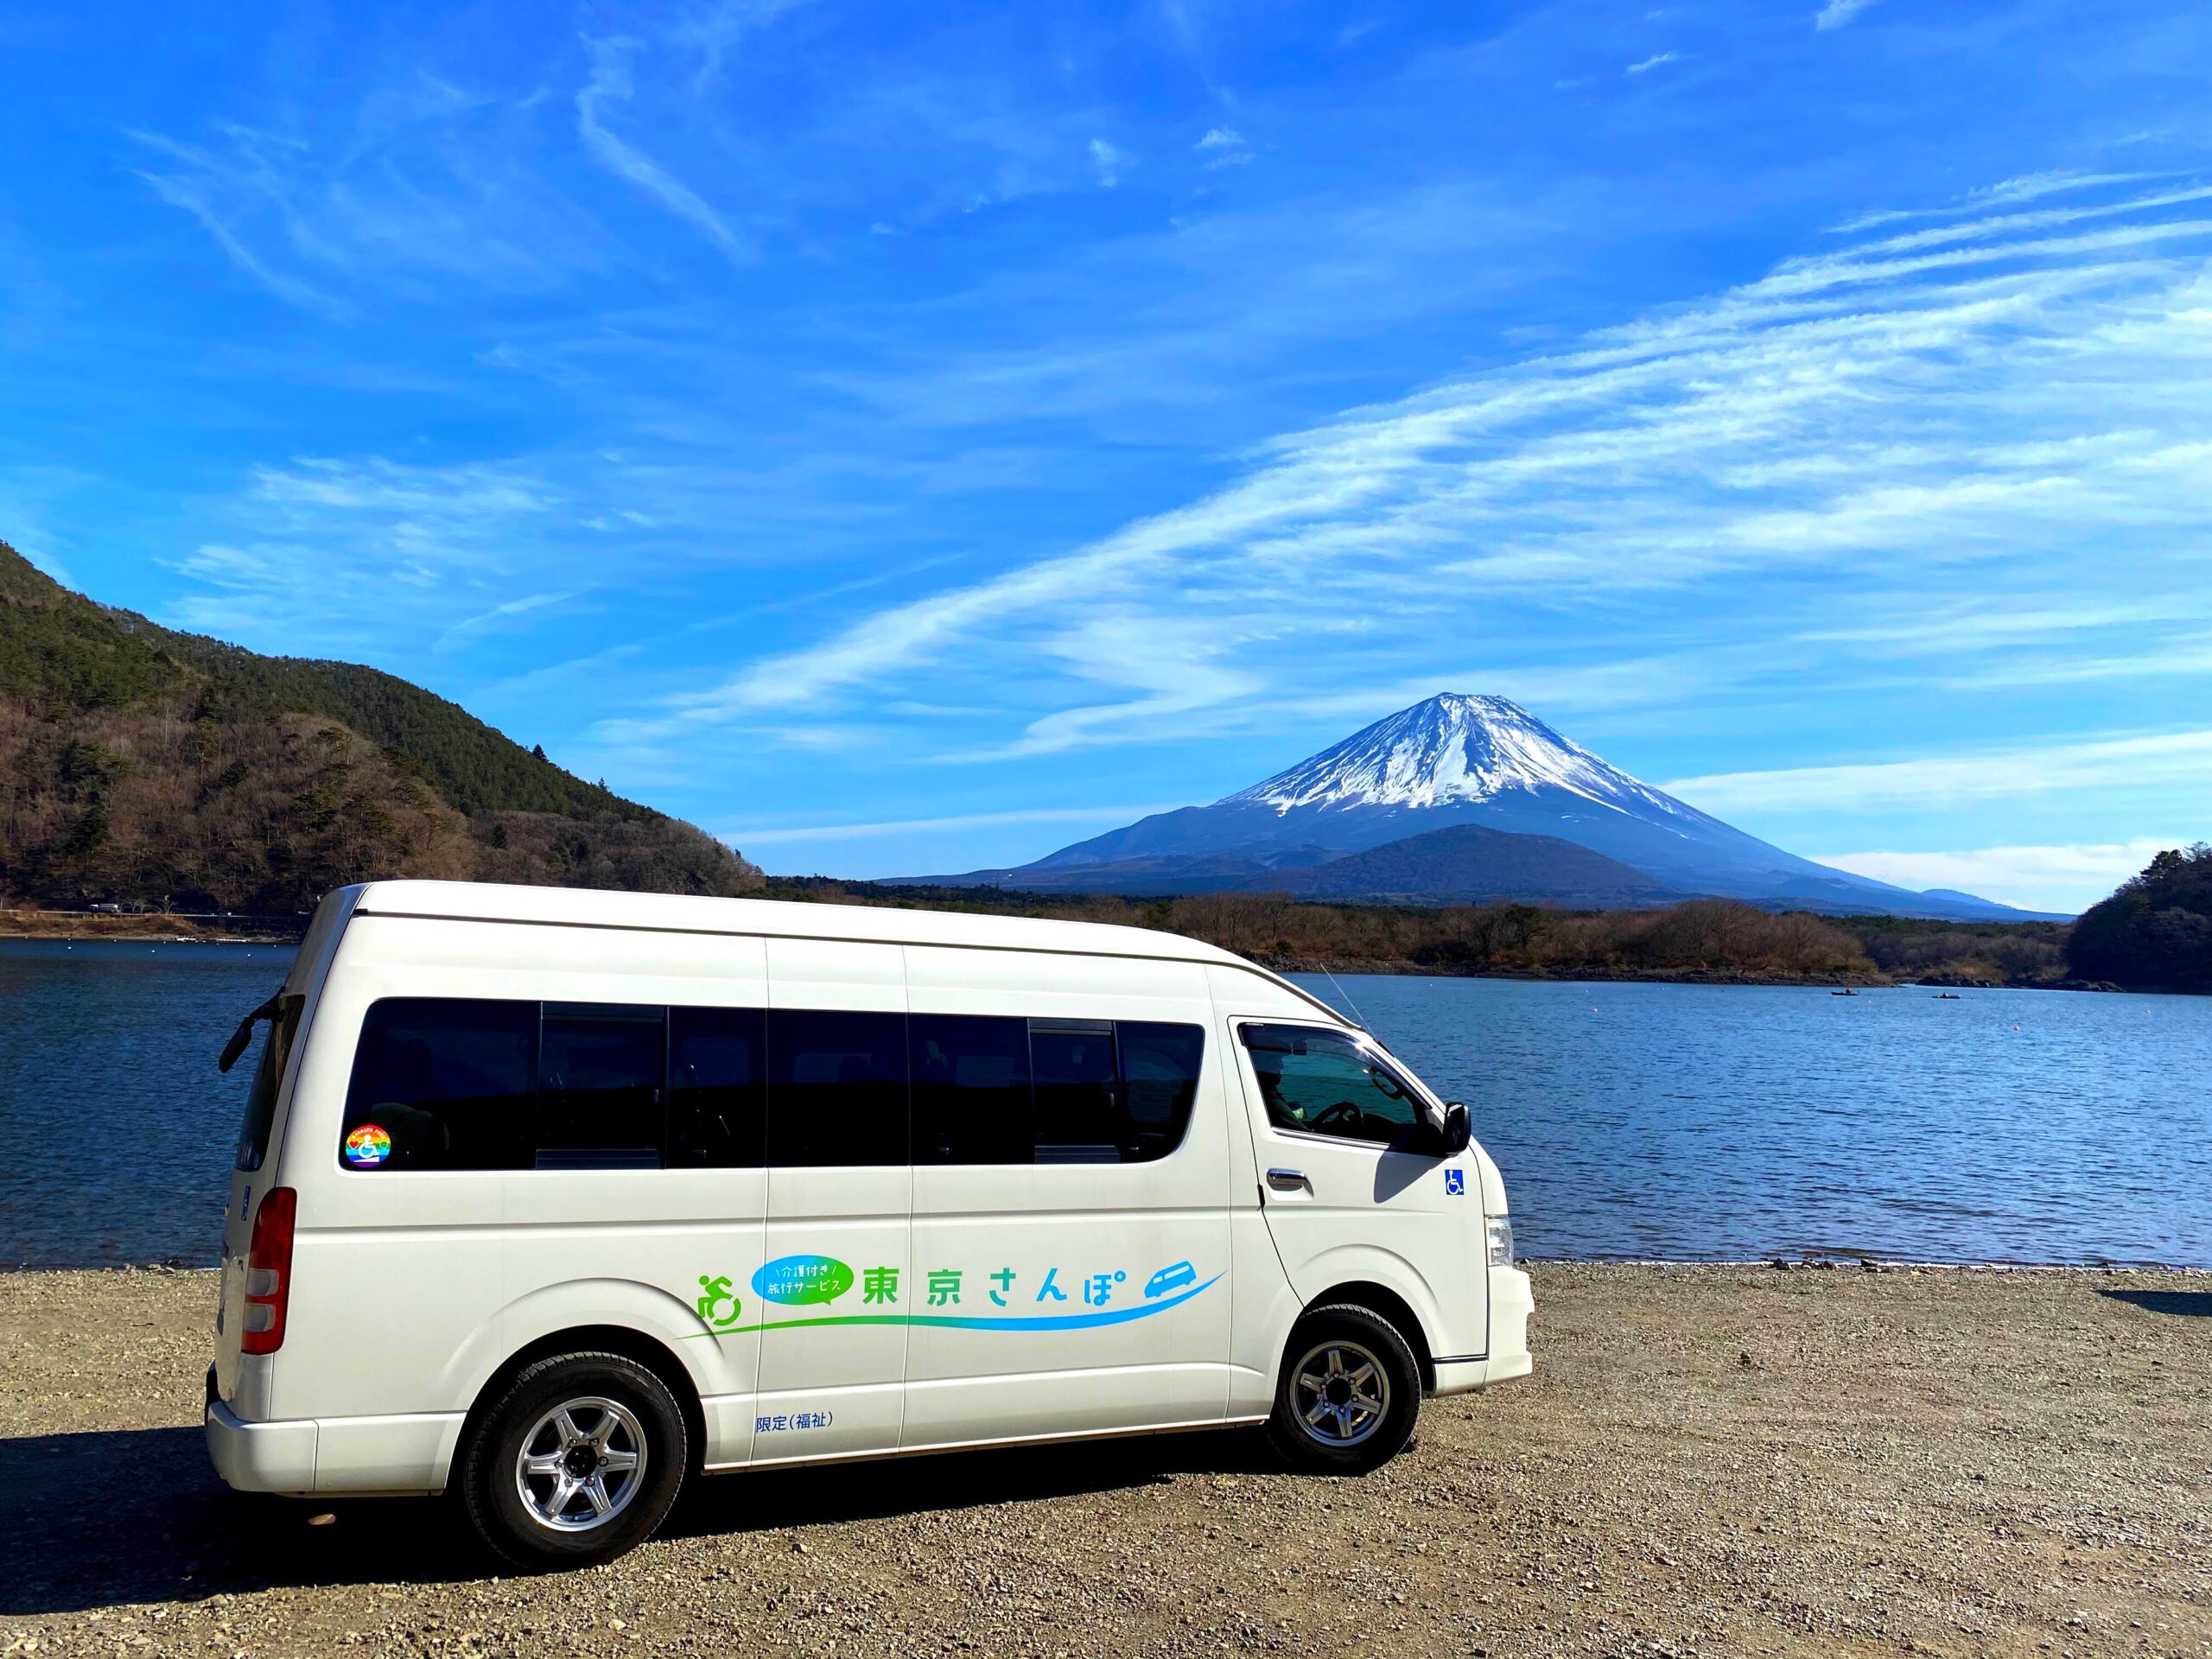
[1709,1460]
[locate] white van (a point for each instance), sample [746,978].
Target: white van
[554,1197]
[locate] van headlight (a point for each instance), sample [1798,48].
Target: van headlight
[1501,1241]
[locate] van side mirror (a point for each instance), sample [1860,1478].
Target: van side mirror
[1459,1130]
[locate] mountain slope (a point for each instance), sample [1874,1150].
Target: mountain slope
[140,765]
[1172,873]
[475,768]
[1468,864]
[1460,760]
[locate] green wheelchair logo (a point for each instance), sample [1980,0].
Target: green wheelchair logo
[717,1293]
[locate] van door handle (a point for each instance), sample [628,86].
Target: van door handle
[1288,1180]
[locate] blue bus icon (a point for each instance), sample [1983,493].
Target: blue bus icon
[1169,1278]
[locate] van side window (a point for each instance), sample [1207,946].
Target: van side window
[1079,1117]
[598,1087]
[442,1083]
[1160,1084]
[837,1088]
[453,1083]
[971,1090]
[1051,1091]
[1317,1082]
[717,1088]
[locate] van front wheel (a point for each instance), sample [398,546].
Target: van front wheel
[578,1461]
[1349,1392]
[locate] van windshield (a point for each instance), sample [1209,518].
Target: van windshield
[261,1103]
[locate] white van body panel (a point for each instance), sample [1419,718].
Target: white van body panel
[1136,1296]
[1082,1241]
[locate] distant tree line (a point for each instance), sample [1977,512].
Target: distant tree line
[1706,938]
[2154,933]
[1715,939]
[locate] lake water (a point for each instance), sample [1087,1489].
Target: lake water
[1683,1121]
[1720,1122]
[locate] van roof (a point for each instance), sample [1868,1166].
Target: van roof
[487,902]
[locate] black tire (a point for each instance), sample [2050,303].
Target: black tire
[1373,1364]
[613,1403]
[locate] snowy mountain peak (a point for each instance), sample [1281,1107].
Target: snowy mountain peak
[1361,822]
[1454,747]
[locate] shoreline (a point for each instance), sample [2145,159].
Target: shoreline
[1590,974]
[168,928]
[78,927]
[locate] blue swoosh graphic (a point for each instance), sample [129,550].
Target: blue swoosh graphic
[1057,1321]
[980,1321]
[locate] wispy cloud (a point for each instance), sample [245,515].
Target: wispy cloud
[611,82]
[2157,759]
[343,207]
[1837,13]
[30,519]
[183,192]
[1970,626]
[1653,62]
[2071,876]
[469,628]
[2175,659]
[1223,146]
[2028,186]
[330,552]
[1994,404]
[1107,163]
[1105,817]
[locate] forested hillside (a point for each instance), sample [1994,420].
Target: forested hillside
[2155,933]
[145,766]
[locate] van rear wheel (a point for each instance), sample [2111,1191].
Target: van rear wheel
[1347,1395]
[578,1461]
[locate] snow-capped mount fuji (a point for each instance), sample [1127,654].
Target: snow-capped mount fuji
[1463,759]
[1452,747]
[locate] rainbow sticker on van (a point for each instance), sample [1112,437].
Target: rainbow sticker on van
[368,1146]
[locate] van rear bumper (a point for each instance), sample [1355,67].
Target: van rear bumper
[360,1456]
[260,1457]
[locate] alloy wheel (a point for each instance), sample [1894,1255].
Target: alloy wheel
[581,1464]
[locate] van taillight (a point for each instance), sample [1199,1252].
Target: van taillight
[269,1271]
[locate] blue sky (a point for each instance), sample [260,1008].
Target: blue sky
[909,439]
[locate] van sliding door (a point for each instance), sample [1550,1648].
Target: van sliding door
[1070,1185]
[837,1283]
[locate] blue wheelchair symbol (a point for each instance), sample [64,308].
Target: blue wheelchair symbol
[1455,1182]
